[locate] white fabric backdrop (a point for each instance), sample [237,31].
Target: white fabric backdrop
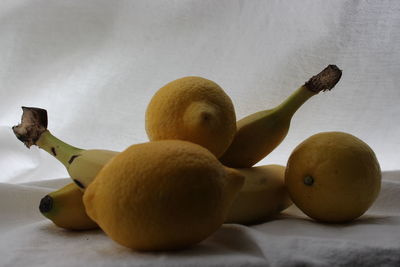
[94,65]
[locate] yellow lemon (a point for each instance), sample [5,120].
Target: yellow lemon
[162,195]
[192,109]
[333,177]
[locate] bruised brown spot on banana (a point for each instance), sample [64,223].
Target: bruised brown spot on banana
[72,158]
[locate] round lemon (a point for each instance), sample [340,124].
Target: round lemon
[161,195]
[333,177]
[192,109]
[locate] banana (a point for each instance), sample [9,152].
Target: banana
[260,133]
[262,196]
[82,165]
[257,135]
[65,208]
[85,167]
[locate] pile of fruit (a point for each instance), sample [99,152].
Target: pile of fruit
[197,170]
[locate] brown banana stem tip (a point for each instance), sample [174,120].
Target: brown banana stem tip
[325,80]
[33,124]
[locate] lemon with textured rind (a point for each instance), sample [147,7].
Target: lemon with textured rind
[333,177]
[162,195]
[194,109]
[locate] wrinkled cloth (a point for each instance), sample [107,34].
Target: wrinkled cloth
[291,239]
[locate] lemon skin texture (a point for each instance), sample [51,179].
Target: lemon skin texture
[162,195]
[194,109]
[333,177]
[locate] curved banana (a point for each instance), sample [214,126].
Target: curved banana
[260,133]
[257,135]
[82,165]
[65,208]
[262,196]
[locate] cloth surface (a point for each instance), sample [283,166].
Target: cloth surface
[28,239]
[95,64]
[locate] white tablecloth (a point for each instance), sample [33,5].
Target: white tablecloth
[28,239]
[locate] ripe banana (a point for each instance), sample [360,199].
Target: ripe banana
[257,135]
[82,165]
[262,196]
[260,133]
[65,208]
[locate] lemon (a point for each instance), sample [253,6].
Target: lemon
[193,109]
[162,195]
[333,177]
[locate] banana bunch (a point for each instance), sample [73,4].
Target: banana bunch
[262,196]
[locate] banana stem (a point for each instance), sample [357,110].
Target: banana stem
[62,151]
[288,107]
[33,131]
[325,80]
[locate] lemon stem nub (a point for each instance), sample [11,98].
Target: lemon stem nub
[46,204]
[308,180]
